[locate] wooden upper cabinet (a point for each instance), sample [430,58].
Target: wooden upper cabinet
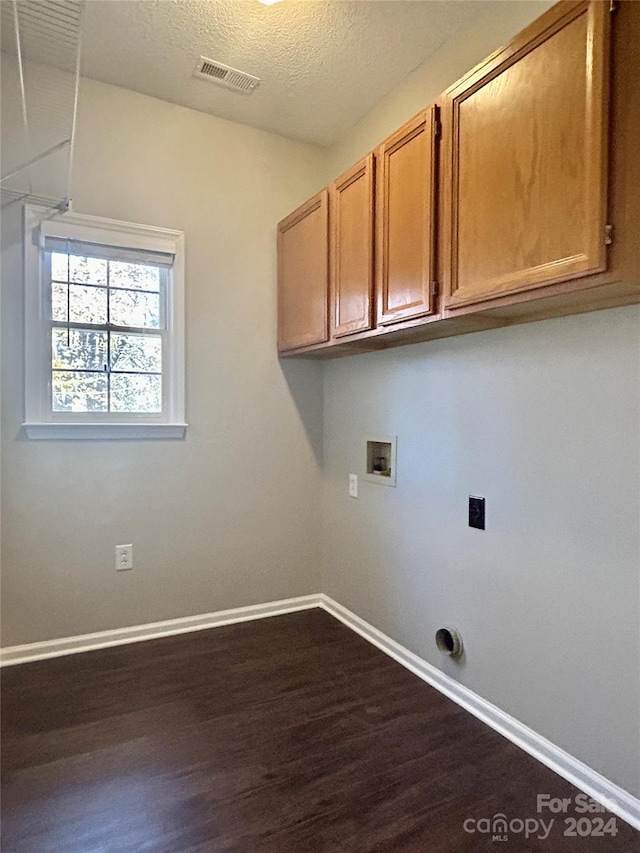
[352,212]
[303,281]
[525,160]
[406,219]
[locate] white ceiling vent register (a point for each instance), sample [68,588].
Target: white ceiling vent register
[216,72]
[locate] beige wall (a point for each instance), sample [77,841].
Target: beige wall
[229,516]
[544,421]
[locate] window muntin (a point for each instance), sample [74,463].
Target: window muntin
[108,324]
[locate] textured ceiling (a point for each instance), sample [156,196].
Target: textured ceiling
[323,63]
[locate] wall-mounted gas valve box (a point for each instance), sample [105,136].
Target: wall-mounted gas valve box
[381,460]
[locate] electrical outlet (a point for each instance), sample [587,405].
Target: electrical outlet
[124,557]
[476,512]
[353,485]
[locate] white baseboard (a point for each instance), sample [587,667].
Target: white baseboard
[614,798]
[137,633]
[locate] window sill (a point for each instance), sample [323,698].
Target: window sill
[103,431]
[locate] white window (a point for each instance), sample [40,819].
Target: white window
[104,328]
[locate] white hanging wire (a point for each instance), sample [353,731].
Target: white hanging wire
[75,109]
[23,94]
[53,37]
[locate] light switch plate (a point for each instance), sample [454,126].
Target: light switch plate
[353,485]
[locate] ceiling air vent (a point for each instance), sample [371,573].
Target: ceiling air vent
[216,72]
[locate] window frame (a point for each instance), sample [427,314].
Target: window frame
[41,422]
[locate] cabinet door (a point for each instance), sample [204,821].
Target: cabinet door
[303,281]
[352,211]
[525,168]
[405,211]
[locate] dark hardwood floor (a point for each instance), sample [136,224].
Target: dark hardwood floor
[286,735]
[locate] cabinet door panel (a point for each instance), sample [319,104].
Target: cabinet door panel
[525,187]
[406,221]
[352,249]
[303,281]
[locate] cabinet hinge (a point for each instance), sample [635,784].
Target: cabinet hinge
[437,128]
[434,289]
[608,235]
[613,5]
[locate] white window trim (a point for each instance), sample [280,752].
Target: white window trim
[40,422]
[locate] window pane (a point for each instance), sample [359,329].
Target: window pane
[87,270]
[136,352]
[134,308]
[78,392]
[59,302]
[78,348]
[59,266]
[87,304]
[136,393]
[138,276]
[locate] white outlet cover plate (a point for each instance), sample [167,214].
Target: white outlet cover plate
[124,557]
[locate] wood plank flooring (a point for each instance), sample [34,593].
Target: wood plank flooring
[285,735]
